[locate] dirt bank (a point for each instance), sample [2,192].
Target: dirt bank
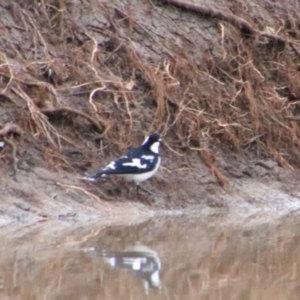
[81,83]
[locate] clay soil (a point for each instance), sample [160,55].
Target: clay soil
[83,81]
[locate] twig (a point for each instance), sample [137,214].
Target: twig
[14,155]
[291,118]
[37,31]
[10,76]
[172,150]
[92,95]
[295,49]
[209,161]
[75,187]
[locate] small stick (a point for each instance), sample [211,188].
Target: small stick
[75,187]
[14,155]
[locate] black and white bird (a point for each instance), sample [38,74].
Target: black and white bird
[140,261]
[137,165]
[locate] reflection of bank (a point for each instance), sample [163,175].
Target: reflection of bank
[140,261]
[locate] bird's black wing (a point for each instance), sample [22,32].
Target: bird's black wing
[133,162]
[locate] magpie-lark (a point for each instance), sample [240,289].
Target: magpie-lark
[137,165]
[140,261]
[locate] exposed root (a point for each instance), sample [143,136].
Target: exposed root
[103,127]
[202,91]
[10,128]
[40,120]
[213,12]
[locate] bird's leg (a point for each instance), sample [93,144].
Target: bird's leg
[143,189]
[146,191]
[133,187]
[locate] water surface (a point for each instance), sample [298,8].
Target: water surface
[204,257]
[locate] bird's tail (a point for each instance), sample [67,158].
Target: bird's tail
[94,176]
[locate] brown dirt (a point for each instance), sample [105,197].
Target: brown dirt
[82,83]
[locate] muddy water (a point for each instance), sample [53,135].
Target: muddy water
[204,257]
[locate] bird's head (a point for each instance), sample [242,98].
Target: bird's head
[152,143]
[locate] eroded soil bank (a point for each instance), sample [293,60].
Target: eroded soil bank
[83,82]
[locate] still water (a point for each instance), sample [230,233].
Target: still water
[205,257]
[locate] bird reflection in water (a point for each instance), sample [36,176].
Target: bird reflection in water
[139,261]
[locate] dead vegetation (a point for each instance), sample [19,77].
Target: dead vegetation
[96,77]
